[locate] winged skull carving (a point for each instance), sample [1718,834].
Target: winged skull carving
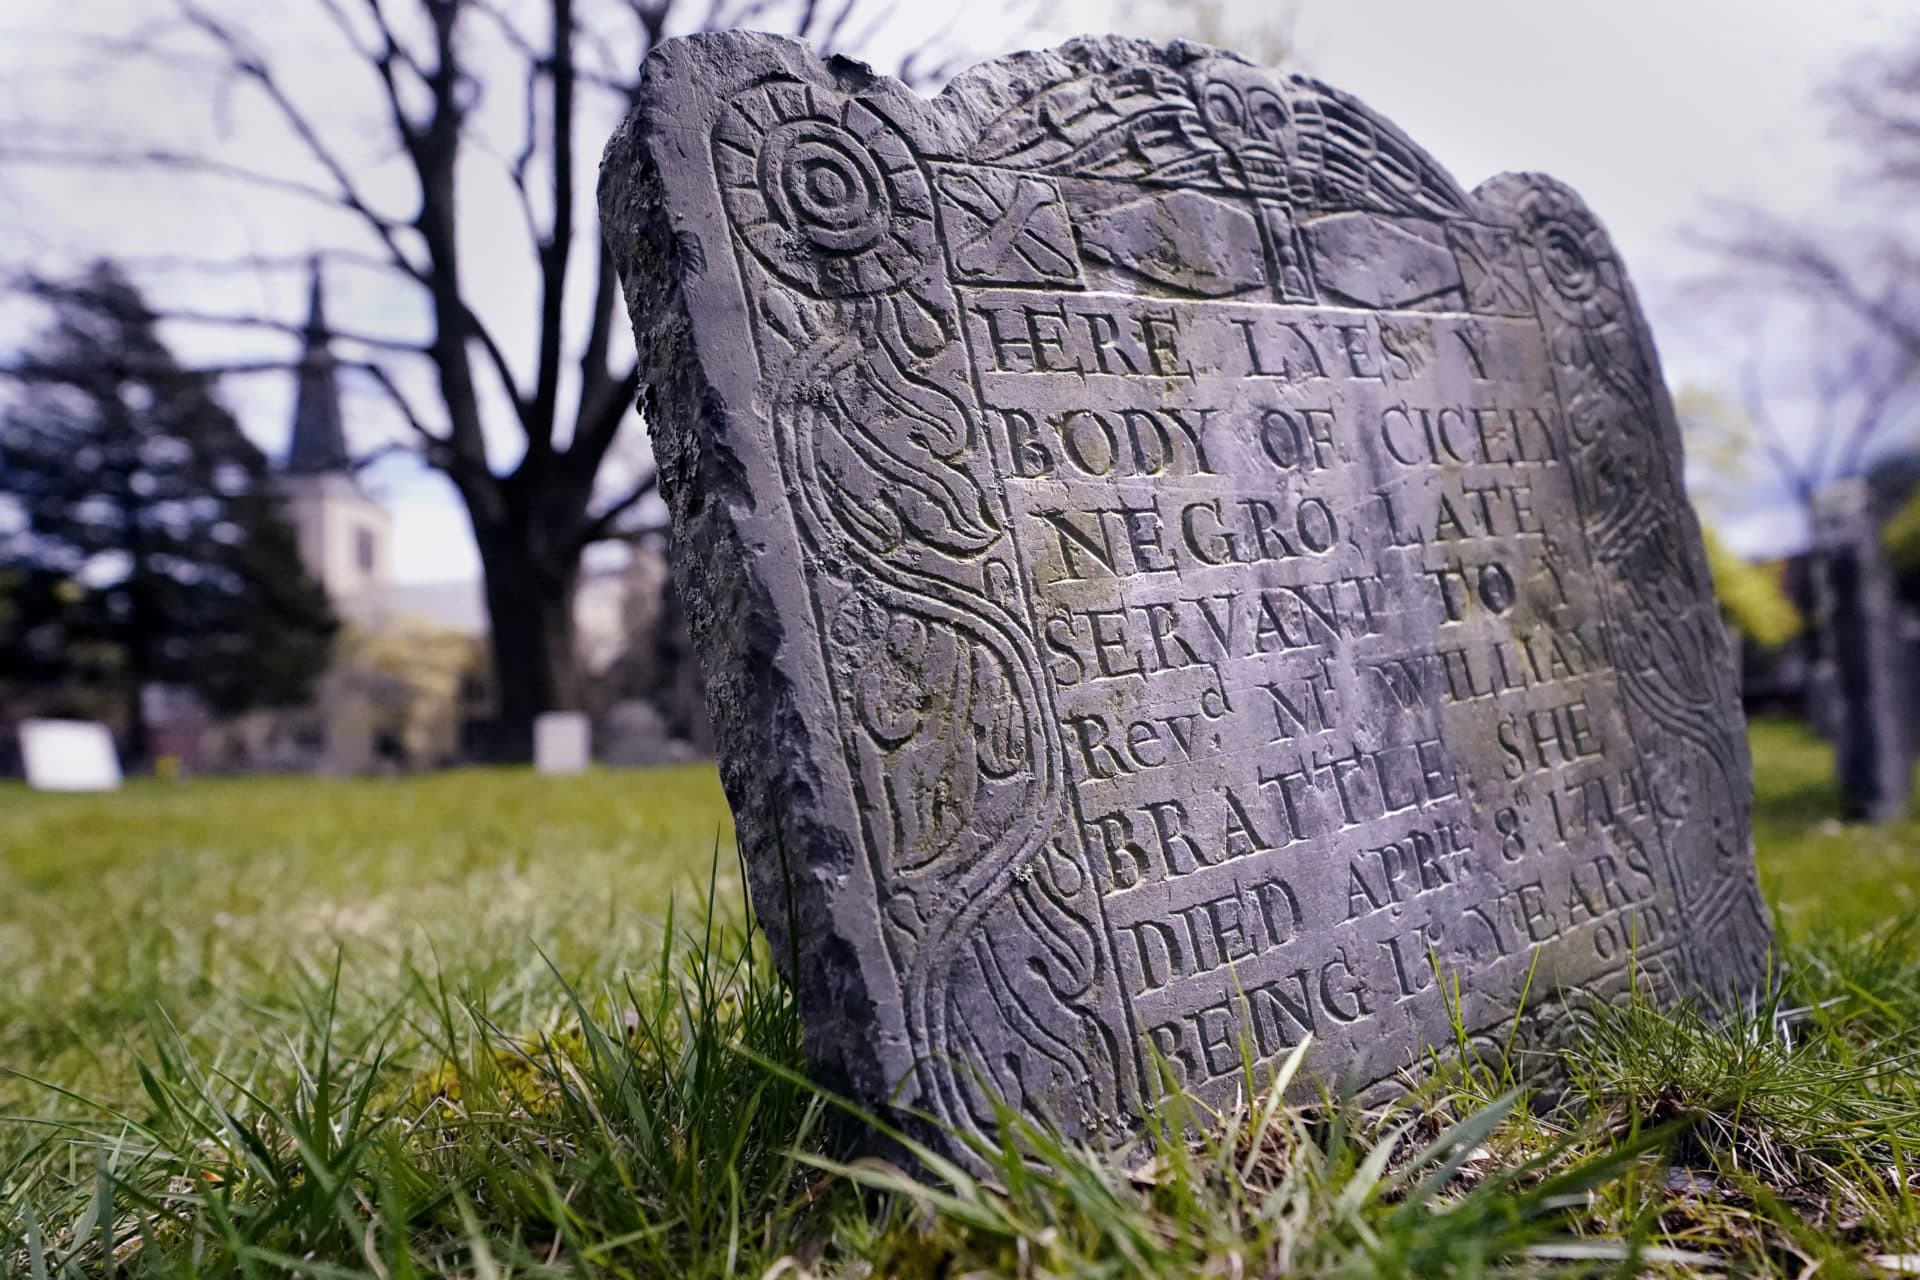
[1226,123]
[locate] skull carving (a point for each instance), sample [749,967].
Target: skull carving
[1246,115]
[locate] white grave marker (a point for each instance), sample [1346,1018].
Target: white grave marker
[562,743]
[69,755]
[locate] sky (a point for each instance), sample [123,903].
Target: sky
[1659,114]
[1655,110]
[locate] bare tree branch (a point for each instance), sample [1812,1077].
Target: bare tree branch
[604,525]
[558,245]
[256,70]
[1849,283]
[600,421]
[380,453]
[433,440]
[235,320]
[252,264]
[1793,475]
[1765,252]
[31,372]
[183,162]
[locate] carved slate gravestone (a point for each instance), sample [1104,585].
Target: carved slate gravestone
[1865,649]
[1171,568]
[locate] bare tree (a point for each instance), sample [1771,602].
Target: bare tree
[527,438]
[1813,406]
[1844,382]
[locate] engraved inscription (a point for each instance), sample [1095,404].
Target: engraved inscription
[1179,575]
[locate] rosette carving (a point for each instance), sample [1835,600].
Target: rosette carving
[827,194]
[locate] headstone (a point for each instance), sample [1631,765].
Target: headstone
[562,743]
[1174,570]
[69,755]
[635,733]
[1864,654]
[658,665]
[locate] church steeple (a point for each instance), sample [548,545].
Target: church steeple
[319,445]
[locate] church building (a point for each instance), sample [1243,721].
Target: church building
[346,538]
[410,683]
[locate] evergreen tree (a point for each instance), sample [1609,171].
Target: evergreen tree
[147,541]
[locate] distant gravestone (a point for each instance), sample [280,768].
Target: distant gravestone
[1173,571]
[635,733]
[562,743]
[1868,703]
[69,755]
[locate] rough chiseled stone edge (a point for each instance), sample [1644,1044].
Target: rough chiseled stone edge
[795,854]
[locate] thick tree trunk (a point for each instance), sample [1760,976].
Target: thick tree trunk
[139,741]
[143,626]
[530,624]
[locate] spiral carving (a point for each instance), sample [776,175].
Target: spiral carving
[1575,259]
[827,194]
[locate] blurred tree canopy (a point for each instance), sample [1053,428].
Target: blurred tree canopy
[150,546]
[1751,596]
[1901,537]
[1722,443]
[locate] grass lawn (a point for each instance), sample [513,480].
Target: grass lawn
[480,1024]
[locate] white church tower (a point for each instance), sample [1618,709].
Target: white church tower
[346,539]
